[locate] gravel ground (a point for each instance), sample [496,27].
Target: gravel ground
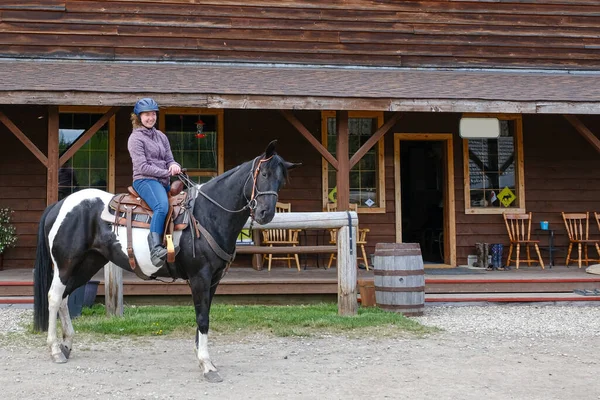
[488,352]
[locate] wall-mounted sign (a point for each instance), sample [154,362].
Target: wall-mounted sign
[479,128]
[506,197]
[333,195]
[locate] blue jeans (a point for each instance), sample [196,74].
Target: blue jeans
[155,195]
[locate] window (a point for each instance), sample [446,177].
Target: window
[196,138]
[89,166]
[367,177]
[494,170]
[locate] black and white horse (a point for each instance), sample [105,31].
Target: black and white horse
[74,243]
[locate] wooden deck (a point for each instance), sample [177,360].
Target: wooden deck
[282,285]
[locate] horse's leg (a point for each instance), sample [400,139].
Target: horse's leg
[67,328]
[202,294]
[54,303]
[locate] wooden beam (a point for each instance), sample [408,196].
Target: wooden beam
[23,138]
[250,249]
[347,296]
[277,102]
[87,135]
[113,290]
[343,170]
[308,136]
[52,181]
[372,141]
[584,131]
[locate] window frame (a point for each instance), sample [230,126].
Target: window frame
[519,166]
[163,111]
[380,160]
[111,136]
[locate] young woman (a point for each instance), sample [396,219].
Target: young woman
[153,164]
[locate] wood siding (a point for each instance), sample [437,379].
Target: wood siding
[23,180]
[523,34]
[561,173]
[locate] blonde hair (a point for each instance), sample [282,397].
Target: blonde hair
[135,121]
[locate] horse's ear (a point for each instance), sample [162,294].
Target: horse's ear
[270,149]
[290,165]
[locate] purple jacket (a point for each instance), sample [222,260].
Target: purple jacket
[151,155]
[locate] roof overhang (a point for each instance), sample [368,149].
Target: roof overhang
[51,82]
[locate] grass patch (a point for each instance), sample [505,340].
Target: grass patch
[294,320]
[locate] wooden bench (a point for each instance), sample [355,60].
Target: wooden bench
[257,251]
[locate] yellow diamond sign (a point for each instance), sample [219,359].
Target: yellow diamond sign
[506,197]
[333,195]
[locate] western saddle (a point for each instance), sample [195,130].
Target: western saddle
[131,211]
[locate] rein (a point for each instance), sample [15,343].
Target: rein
[250,204]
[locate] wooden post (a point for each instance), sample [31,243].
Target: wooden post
[346,260]
[113,290]
[53,156]
[343,158]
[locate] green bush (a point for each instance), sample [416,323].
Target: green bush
[8,233]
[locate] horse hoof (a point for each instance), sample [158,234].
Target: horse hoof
[65,350]
[59,358]
[213,377]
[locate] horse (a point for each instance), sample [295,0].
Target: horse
[74,243]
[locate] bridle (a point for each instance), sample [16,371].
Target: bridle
[251,203]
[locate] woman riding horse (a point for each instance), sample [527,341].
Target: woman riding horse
[153,164]
[74,243]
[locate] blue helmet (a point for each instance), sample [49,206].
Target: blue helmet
[145,104]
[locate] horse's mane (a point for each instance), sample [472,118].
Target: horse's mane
[276,160]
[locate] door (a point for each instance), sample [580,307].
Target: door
[425,195]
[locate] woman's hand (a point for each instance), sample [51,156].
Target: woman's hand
[174,169]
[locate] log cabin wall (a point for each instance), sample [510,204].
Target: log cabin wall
[23,180]
[540,34]
[560,172]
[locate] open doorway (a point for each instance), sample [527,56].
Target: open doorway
[424,195]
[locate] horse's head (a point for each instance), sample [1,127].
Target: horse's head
[270,174]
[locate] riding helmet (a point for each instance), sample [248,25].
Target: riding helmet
[145,104]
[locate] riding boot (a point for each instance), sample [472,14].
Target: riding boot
[158,253]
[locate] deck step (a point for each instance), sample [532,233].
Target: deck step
[16,299]
[434,298]
[507,297]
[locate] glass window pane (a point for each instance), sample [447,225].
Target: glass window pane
[193,139]
[77,173]
[363,176]
[492,169]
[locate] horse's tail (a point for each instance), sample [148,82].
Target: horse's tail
[42,277]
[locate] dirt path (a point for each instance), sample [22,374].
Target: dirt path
[448,365]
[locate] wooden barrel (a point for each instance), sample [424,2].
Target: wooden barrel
[399,278]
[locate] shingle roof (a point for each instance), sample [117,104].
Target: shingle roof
[56,77]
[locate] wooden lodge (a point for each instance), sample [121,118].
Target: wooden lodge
[367,94]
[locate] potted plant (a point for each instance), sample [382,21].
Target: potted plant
[8,233]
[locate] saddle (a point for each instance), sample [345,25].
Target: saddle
[131,211]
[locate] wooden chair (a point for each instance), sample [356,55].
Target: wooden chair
[577,225]
[282,237]
[518,227]
[360,242]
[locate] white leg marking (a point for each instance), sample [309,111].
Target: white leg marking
[67,325]
[202,352]
[54,302]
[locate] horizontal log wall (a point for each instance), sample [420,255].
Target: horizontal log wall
[528,34]
[561,173]
[23,180]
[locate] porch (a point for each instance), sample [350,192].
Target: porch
[283,286]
